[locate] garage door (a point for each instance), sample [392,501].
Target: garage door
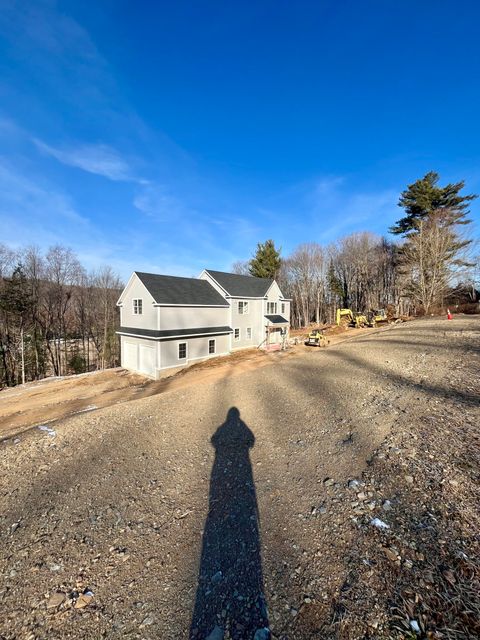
[130,356]
[147,360]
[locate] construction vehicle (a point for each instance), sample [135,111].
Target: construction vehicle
[347,318]
[380,316]
[317,338]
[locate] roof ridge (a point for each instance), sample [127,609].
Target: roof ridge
[166,275]
[242,275]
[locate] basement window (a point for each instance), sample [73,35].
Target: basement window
[249,333]
[137,306]
[211,346]
[182,351]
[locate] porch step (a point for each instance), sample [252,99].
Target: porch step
[273,347]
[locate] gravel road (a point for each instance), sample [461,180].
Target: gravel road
[223,509]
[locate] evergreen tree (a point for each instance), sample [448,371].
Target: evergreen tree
[424,197]
[16,297]
[434,247]
[266,261]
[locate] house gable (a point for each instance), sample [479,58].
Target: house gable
[134,282]
[136,290]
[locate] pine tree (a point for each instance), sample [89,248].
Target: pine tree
[424,197]
[266,261]
[434,247]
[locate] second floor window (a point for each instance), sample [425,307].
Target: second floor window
[137,306]
[242,307]
[283,307]
[271,307]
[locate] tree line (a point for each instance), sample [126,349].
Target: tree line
[55,317]
[429,266]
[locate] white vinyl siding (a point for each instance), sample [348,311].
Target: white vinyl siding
[197,350]
[191,317]
[137,306]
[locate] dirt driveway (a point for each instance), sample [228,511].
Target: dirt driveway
[328,495]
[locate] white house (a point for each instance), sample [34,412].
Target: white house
[169,322]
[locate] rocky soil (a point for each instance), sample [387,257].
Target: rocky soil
[332,494]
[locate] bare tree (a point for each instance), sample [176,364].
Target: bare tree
[433,258]
[241,267]
[107,287]
[303,277]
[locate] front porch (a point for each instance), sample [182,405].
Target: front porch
[276,332]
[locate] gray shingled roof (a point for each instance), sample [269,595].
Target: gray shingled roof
[174,290]
[275,319]
[237,285]
[165,334]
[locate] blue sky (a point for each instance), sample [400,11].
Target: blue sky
[172,136]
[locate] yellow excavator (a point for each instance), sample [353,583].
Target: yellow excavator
[349,318]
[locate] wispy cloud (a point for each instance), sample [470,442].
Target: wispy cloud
[99,159]
[157,202]
[24,198]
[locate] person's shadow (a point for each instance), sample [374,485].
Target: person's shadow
[230,601]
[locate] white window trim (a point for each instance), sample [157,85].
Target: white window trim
[248,337]
[214,346]
[234,331]
[245,305]
[186,352]
[137,300]
[275,307]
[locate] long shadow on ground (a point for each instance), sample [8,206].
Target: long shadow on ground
[230,599]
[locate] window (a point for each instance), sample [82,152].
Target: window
[236,334]
[271,307]
[249,333]
[137,306]
[211,346]
[283,307]
[182,350]
[242,307]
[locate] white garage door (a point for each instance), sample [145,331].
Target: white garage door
[147,360]
[130,356]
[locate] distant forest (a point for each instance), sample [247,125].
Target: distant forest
[55,317]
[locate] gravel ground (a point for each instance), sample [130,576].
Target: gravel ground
[232,507]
